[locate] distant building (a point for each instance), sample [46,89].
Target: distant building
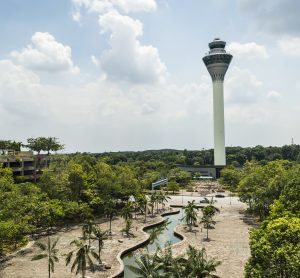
[25,165]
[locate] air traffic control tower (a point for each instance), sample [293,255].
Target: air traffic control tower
[217,62]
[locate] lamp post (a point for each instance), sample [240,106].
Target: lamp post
[182,200]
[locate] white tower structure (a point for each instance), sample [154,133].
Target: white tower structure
[217,62]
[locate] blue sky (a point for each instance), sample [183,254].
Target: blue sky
[107,75]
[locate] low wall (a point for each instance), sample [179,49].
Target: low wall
[120,273]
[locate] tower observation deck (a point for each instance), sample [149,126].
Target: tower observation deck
[217,62]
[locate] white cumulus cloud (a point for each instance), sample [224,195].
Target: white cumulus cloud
[46,54]
[248,50]
[103,6]
[128,59]
[242,86]
[273,95]
[290,46]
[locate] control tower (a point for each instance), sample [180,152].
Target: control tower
[217,62]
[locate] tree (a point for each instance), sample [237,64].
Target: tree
[261,185]
[49,251]
[36,144]
[128,227]
[100,236]
[198,265]
[76,182]
[173,186]
[163,198]
[152,201]
[142,203]
[83,257]
[110,211]
[148,266]
[208,222]
[275,249]
[52,144]
[180,176]
[126,212]
[210,209]
[230,177]
[190,212]
[87,229]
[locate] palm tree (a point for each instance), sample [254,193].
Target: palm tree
[211,209]
[110,211]
[87,229]
[100,236]
[143,202]
[49,252]
[199,265]
[152,202]
[148,266]
[190,211]
[207,221]
[83,257]
[164,198]
[126,212]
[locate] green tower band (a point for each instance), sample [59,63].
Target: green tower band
[217,62]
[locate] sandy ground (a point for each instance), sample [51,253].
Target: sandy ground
[229,243]
[22,267]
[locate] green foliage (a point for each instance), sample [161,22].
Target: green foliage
[190,214]
[261,185]
[275,249]
[180,176]
[173,186]
[100,236]
[230,177]
[83,257]
[148,266]
[44,144]
[162,263]
[272,192]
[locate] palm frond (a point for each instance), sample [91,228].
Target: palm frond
[41,245]
[39,257]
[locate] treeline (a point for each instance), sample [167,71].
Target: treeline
[38,144]
[73,189]
[272,192]
[236,156]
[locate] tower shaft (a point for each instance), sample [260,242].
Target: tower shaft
[218,118]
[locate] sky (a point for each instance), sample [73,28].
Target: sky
[116,75]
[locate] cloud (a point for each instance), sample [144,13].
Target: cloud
[290,46]
[273,95]
[104,6]
[273,17]
[249,50]
[94,60]
[242,86]
[46,54]
[19,93]
[127,59]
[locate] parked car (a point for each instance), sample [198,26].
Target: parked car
[220,196]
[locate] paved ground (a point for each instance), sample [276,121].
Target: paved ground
[228,243]
[23,267]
